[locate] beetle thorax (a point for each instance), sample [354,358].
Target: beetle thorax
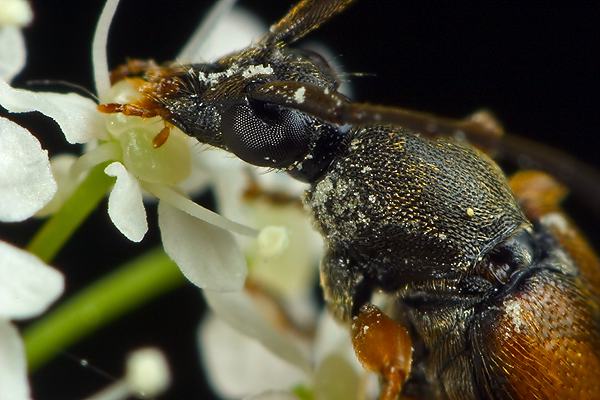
[416,206]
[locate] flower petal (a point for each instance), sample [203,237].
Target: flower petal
[27,285]
[177,200]
[199,177]
[76,115]
[231,361]
[207,255]
[336,379]
[13,370]
[229,179]
[26,182]
[332,337]
[15,13]
[239,311]
[273,395]
[125,204]
[222,32]
[192,50]
[99,61]
[279,182]
[12,52]
[60,166]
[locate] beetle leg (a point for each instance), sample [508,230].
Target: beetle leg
[382,346]
[149,105]
[162,136]
[345,287]
[128,109]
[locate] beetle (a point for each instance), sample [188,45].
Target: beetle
[495,293]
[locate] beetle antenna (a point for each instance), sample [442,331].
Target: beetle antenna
[579,177]
[303,18]
[357,74]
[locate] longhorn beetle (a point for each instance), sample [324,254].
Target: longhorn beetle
[495,292]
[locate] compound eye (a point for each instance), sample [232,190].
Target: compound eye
[265,135]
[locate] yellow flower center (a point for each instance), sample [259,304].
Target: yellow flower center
[168,164]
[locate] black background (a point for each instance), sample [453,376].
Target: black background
[535,66]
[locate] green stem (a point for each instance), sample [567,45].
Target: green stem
[58,229]
[129,286]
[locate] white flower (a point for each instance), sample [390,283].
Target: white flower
[26,182]
[291,271]
[231,359]
[147,375]
[203,246]
[27,288]
[246,328]
[14,14]
[266,362]
[60,167]
[27,285]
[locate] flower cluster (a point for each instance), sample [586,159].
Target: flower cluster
[27,285]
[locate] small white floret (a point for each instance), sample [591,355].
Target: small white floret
[272,241]
[147,373]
